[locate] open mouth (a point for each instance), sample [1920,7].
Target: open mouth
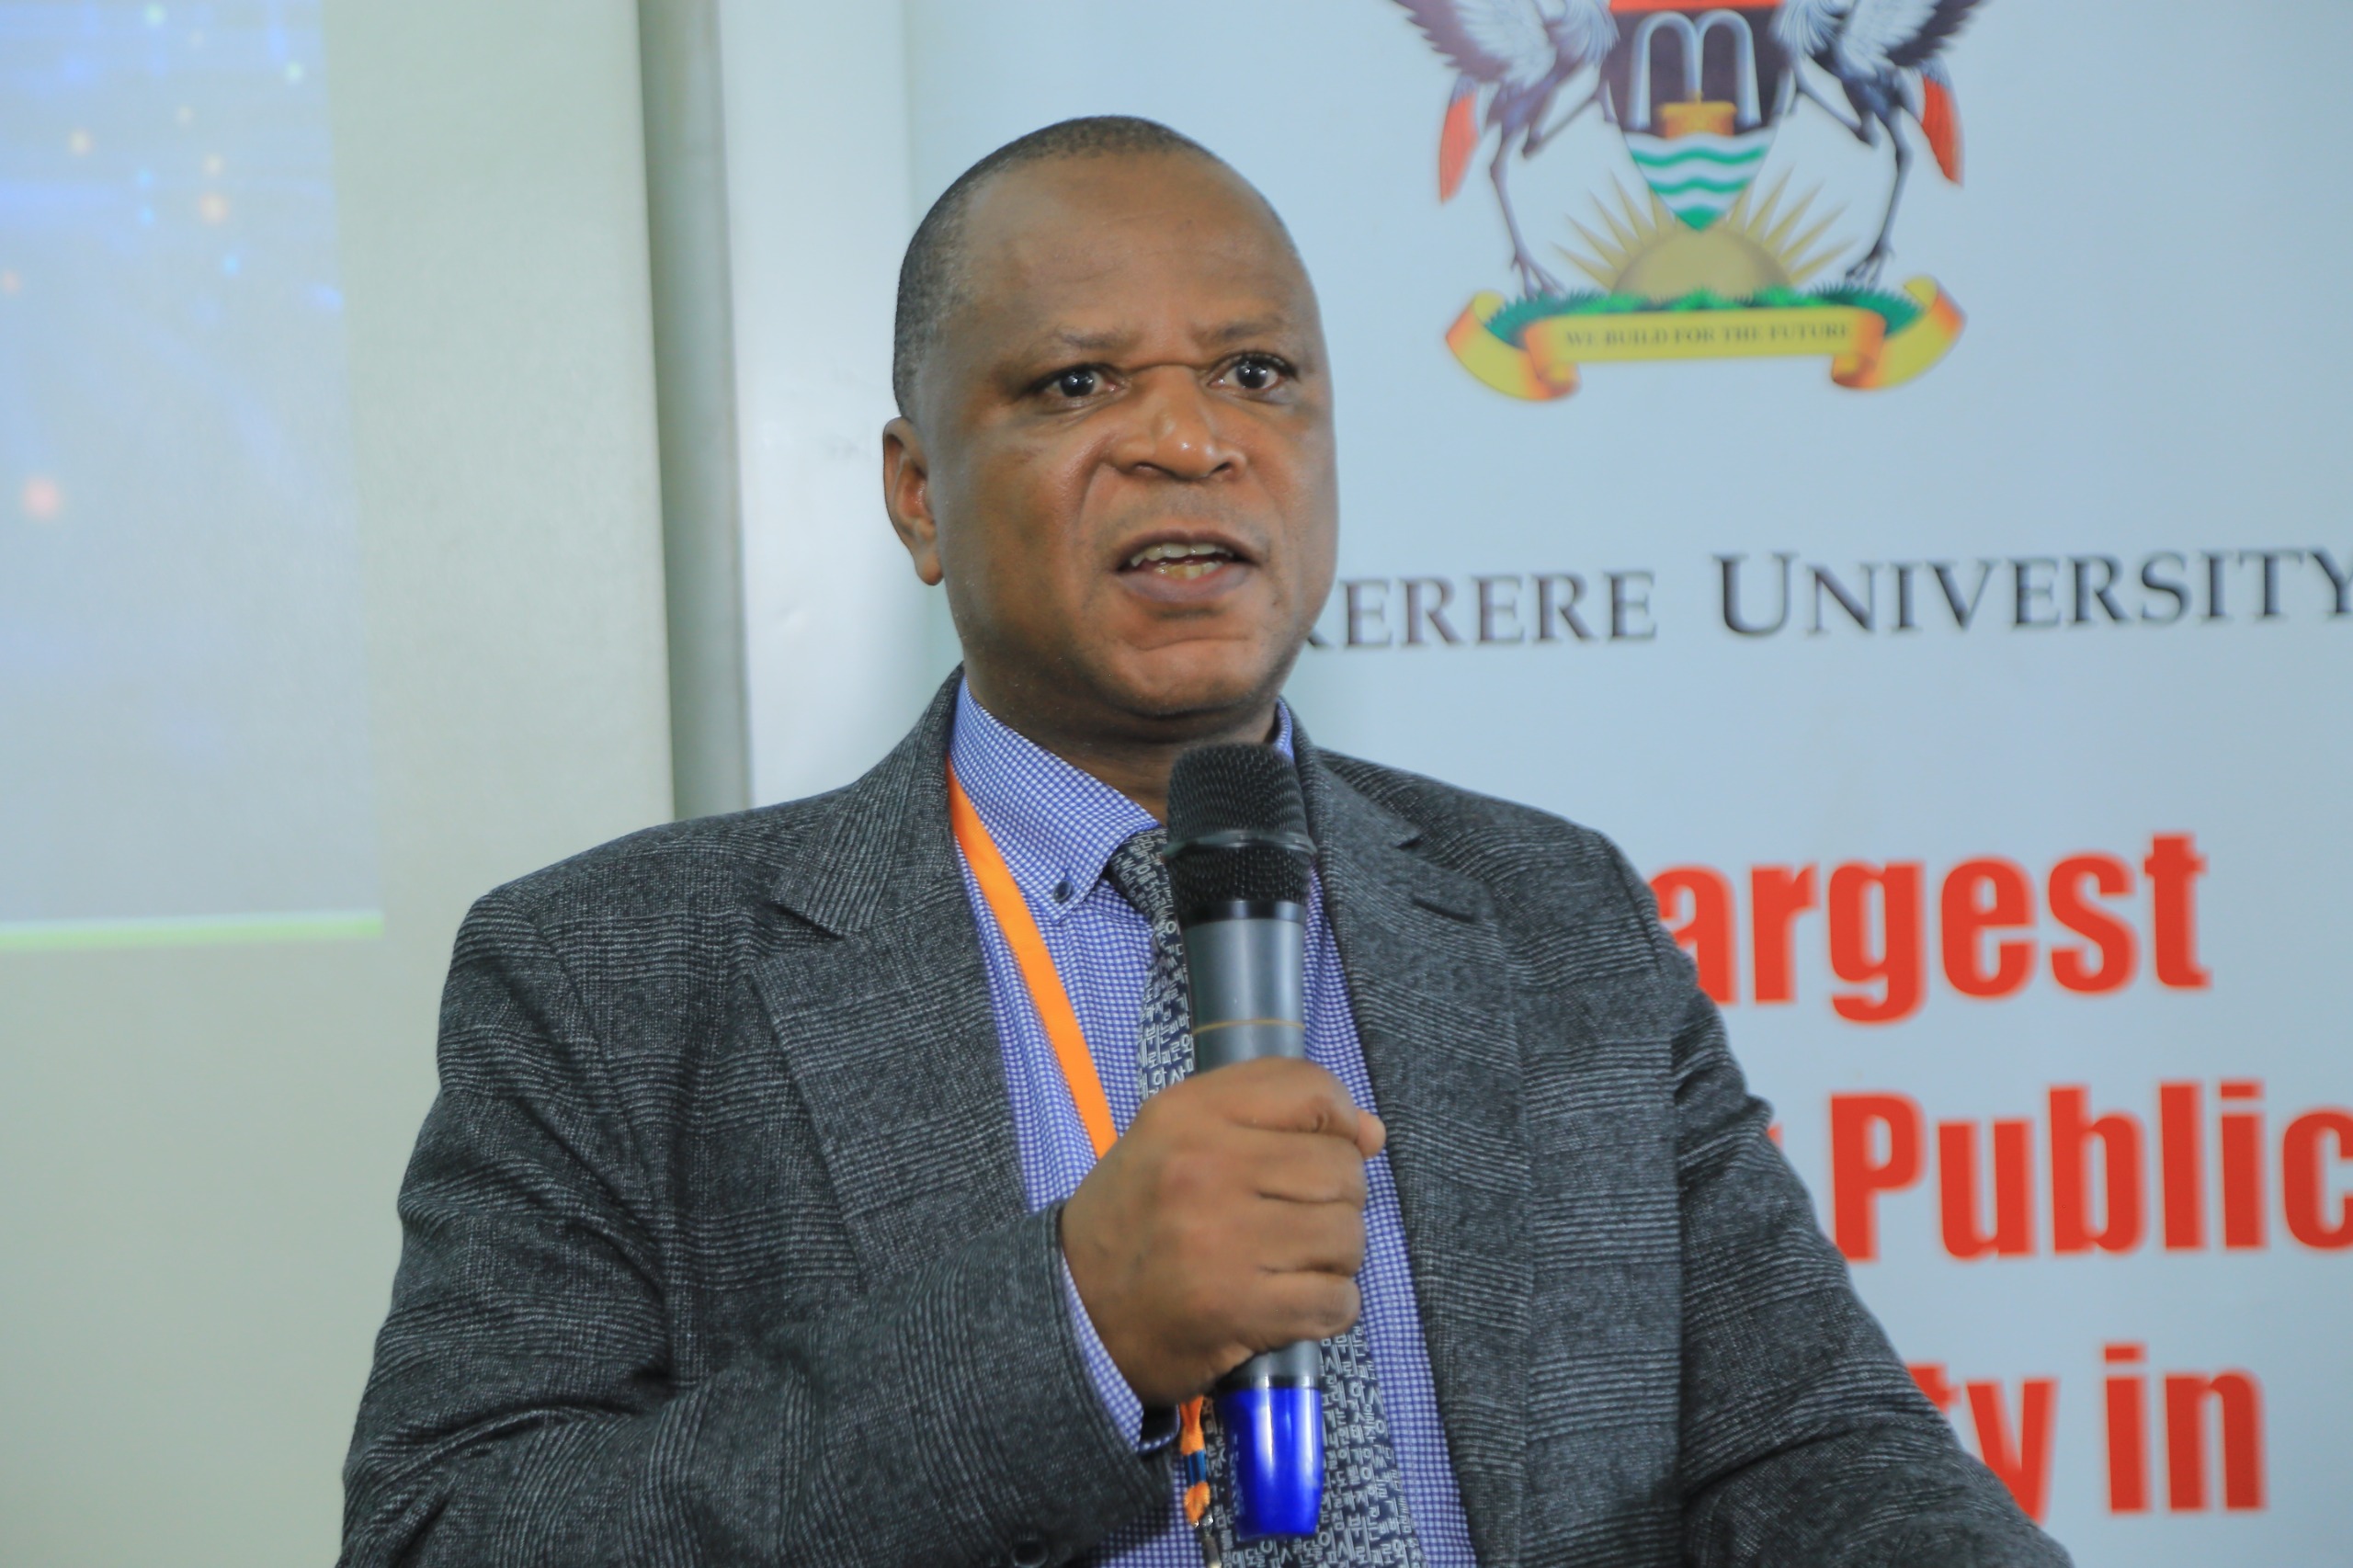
[1180,561]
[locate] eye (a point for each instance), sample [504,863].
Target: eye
[1078,383]
[1258,372]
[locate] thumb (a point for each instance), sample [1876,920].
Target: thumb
[1372,1134]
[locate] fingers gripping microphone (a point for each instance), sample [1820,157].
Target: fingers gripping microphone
[1238,859]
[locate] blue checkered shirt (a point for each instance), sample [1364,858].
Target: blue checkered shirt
[1056,827]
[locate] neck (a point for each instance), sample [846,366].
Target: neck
[1132,757]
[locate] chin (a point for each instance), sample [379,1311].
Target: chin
[1171,686]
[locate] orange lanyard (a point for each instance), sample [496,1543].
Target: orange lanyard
[1060,1020]
[1019,928]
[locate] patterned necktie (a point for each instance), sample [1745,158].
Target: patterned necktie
[1365,1519]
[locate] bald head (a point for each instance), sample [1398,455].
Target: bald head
[936,273]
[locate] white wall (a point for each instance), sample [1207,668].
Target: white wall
[199,1147]
[842,645]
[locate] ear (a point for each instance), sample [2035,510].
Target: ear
[906,495]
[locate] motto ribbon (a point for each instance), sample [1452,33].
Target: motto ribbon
[1542,365]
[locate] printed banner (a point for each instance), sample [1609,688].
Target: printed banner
[1974,697]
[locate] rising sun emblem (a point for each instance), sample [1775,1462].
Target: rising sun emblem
[1645,250]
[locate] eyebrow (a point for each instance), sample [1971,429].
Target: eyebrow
[1243,330]
[1071,340]
[1067,339]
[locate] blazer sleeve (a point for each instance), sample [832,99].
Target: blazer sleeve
[1804,1439]
[524,1409]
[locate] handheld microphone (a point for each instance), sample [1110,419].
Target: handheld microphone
[1238,860]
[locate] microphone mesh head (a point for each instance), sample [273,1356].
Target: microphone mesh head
[1236,790]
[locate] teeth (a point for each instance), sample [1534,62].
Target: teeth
[1197,558]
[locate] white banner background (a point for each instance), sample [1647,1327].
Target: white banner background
[2145,247]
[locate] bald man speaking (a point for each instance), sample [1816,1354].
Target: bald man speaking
[757,1221]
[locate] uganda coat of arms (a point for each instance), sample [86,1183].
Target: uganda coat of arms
[1688,255]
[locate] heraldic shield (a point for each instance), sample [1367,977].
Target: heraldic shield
[1695,91]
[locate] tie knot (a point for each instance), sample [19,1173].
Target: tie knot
[1142,876]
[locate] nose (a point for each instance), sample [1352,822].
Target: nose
[1174,429]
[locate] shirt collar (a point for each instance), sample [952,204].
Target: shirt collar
[1055,825]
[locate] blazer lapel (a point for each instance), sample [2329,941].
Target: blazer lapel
[884,1018]
[1425,967]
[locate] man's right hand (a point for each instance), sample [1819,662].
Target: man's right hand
[1228,1221]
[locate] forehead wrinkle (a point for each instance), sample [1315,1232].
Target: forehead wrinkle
[1091,249]
[1110,340]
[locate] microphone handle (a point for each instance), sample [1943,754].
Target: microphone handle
[1247,968]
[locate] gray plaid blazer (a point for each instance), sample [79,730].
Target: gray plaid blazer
[716,1250]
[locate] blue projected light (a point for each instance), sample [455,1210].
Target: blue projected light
[182,699]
